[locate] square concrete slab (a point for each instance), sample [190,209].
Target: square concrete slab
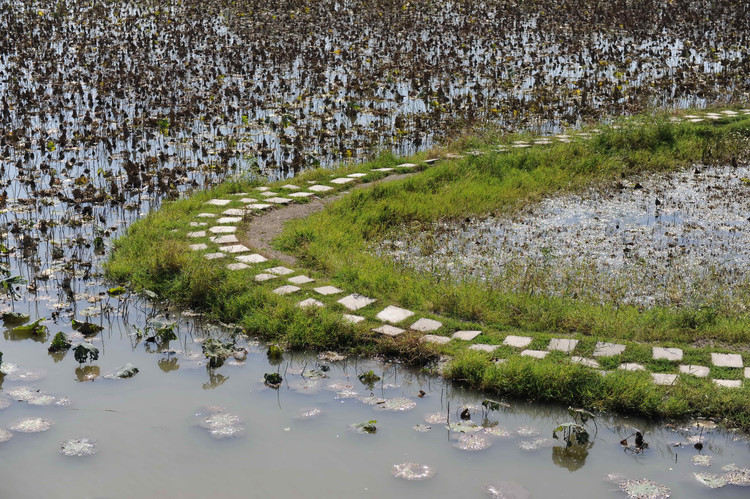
[562,345]
[537,354]
[320,188]
[726,359]
[291,187]
[388,330]
[431,161]
[481,347]
[237,266]
[604,349]
[700,371]
[632,366]
[352,319]
[393,314]
[223,229]
[747,372]
[262,189]
[433,338]
[342,180]
[301,194]
[356,301]
[729,383]
[231,238]
[205,215]
[258,206]
[357,175]
[585,362]
[197,224]
[328,290]
[285,290]
[254,258]
[229,220]
[663,379]
[213,256]
[517,341]
[239,194]
[465,335]
[264,277]
[674,354]
[382,169]
[279,200]
[406,165]
[300,279]
[234,248]
[198,247]
[248,200]
[269,194]
[425,325]
[198,233]
[310,302]
[219,202]
[233,212]
[280,271]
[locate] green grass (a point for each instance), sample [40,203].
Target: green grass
[334,246]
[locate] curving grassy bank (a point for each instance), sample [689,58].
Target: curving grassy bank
[334,246]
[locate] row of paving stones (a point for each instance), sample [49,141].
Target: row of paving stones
[391,316]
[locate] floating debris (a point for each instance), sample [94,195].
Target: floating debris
[79,447]
[123,372]
[422,428]
[412,471]
[645,489]
[223,424]
[506,490]
[527,431]
[497,431]
[397,404]
[711,480]
[368,427]
[472,442]
[5,435]
[31,425]
[532,445]
[436,418]
[702,460]
[309,413]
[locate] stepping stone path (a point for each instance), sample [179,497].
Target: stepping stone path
[466,335]
[235,248]
[328,290]
[432,338]
[562,345]
[279,200]
[200,233]
[300,279]
[219,202]
[222,229]
[232,212]
[342,180]
[285,290]
[320,188]
[632,366]
[237,266]
[224,239]
[254,258]
[280,271]
[585,362]
[198,247]
[699,371]
[353,319]
[301,194]
[483,348]
[394,314]
[311,302]
[727,360]
[663,379]
[356,301]
[425,325]
[517,341]
[537,354]
[229,220]
[388,330]
[604,349]
[674,354]
[729,383]
[214,256]
[264,277]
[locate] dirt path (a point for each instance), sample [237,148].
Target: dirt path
[263,229]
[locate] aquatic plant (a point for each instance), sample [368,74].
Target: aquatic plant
[369,379]
[86,328]
[272,379]
[59,343]
[85,352]
[366,427]
[216,352]
[34,328]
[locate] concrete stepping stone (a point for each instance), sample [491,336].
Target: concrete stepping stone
[328,290]
[356,301]
[301,194]
[229,220]
[264,277]
[239,194]
[197,224]
[198,247]
[406,165]
[357,175]
[291,187]
[263,189]
[342,180]
[254,258]
[285,290]
[747,372]
[562,345]
[219,202]
[425,325]
[451,155]
[258,206]
[223,229]
[231,238]
[320,188]
[517,341]
[234,248]
[248,200]
[431,161]
[585,362]
[279,200]
[214,256]
[727,359]
[632,366]
[699,371]
[673,354]
[237,266]
[394,314]
[389,330]
[280,270]
[352,319]
[269,194]
[233,212]
[604,349]
[433,338]
[198,233]
[537,354]
[310,302]
[729,383]
[300,279]
[382,169]
[481,347]
[465,335]
[664,379]
[205,215]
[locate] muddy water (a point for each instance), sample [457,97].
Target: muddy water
[151,442]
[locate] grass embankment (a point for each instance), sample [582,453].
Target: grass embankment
[334,245]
